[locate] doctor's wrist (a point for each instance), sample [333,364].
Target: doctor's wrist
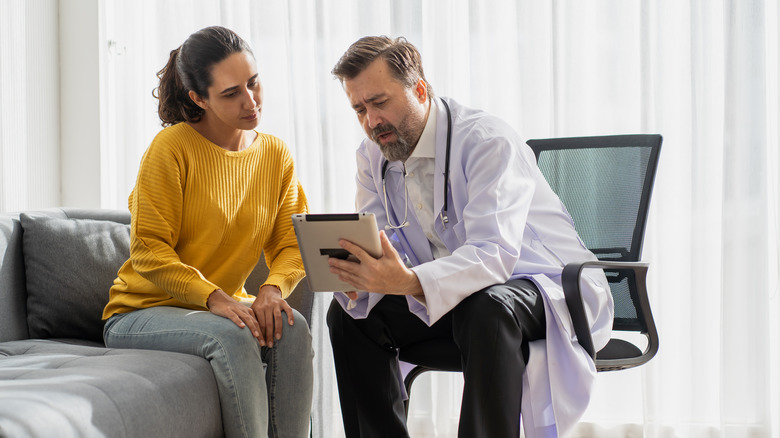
[412,284]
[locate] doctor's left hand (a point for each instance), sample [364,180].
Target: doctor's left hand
[387,274]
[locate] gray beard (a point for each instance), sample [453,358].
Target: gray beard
[397,151]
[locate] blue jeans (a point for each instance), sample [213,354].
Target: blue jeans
[278,405]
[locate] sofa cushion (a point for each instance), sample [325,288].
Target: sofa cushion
[49,388]
[70,264]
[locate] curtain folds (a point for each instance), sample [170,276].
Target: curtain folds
[703,73]
[29,105]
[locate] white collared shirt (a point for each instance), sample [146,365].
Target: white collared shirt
[420,167]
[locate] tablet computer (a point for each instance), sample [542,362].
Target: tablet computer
[318,239]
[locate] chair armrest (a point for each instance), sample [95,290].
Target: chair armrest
[571,288]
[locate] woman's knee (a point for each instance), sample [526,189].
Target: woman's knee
[223,334]
[299,328]
[298,334]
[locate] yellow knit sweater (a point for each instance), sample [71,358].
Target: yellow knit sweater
[202,216]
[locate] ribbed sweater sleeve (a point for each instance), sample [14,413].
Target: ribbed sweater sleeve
[156,206]
[281,250]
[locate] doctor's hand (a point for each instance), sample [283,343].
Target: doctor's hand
[268,307]
[387,274]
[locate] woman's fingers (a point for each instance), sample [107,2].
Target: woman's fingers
[241,316]
[235,318]
[262,326]
[269,327]
[263,319]
[288,310]
[248,317]
[277,312]
[268,308]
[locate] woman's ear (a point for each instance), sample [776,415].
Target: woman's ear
[201,102]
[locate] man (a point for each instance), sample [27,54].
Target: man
[476,269]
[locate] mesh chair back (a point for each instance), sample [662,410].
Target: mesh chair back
[605,183]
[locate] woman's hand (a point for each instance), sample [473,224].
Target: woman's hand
[222,304]
[268,307]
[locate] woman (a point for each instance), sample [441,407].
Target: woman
[212,195]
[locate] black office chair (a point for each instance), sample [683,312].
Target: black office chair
[605,183]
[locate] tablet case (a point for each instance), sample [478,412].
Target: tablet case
[318,239]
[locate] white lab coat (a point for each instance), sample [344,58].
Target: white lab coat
[504,223]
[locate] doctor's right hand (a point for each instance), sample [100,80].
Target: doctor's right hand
[387,274]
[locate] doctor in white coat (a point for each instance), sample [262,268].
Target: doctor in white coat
[474,243]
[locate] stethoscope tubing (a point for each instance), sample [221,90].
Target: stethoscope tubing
[443,214]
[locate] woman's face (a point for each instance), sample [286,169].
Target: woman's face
[235,95]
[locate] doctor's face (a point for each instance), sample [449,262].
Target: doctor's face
[391,114]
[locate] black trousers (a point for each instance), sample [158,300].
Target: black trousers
[489,332]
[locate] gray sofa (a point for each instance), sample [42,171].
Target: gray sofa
[56,376]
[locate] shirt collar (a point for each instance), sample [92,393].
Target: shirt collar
[426,146]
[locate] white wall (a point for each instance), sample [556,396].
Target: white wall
[81,118]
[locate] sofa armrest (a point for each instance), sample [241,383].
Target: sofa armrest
[13,289]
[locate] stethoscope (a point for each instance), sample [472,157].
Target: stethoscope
[443,215]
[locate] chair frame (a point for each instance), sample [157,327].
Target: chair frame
[572,272]
[571,290]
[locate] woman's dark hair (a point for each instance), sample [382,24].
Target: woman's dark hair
[401,56]
[189,68]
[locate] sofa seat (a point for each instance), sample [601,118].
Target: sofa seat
[76,388]
[57,378]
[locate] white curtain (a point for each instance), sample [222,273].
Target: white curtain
[29,107]
[703,73]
